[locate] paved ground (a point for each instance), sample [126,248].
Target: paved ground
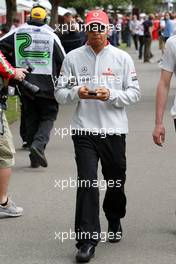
[150,223]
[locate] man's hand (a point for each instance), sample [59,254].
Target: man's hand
[84,93]
[159,135]
[20,74]
[102,93]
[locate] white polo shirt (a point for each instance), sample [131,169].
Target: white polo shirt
[168,63]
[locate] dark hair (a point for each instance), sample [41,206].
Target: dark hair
[67,14]
[16,20]
[5,28]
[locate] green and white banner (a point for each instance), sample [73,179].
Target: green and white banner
[35,45]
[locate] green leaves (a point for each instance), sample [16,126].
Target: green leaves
[147,6]
[89,4]
[144,6]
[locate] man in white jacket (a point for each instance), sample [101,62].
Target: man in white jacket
[102,80]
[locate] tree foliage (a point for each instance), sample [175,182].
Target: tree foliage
[88,4]
[147,6]
[143,6]
[54,12]
[81,5]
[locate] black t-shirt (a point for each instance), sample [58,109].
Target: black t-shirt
[147,24]
[72,40]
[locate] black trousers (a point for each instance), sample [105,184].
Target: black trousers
[147,48]
[165,38]
[141,45]
[40,114]
[111,152]
[135,39]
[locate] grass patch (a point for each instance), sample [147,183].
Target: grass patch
[123,46]
[13,110]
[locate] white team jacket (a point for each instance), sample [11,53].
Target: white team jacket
[111,68]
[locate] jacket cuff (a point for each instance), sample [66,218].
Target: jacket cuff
[75,91]
[112,95]
[13,75]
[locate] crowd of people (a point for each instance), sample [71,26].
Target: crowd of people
[143,29]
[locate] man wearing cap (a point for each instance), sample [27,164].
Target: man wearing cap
[102,80]
[35,43]
[70,36]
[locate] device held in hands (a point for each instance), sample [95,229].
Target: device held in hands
[92,93]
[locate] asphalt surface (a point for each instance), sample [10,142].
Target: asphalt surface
[149,228]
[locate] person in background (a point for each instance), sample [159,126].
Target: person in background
[168,67]
[134,27]
[4,30]
[160,33]
[168,28]
[126,31]
[114,32]
[148,26]
[70,36]
[141,37]
[7,150]
[156,23]
[45,54]
[16,24]
[81,27]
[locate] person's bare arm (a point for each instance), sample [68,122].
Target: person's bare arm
[161,99]
[151,30]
